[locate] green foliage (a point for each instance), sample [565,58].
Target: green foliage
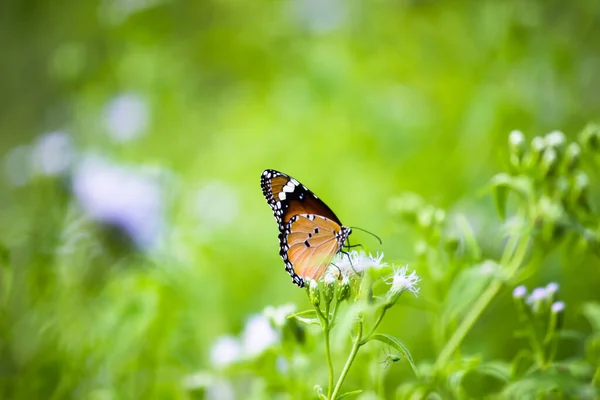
[545,214]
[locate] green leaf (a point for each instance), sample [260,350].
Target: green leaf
[501,185]
[578,368]
[6,280]
[520,184]
[521,363]
[348,394]
[498,369]
[569,334]
[559,384]
[467,287]
[485,380]
[6,274]
[471,245]
[500,197]
[303,313]
[309,321]
[396,344]
[4,255]
[592,350]
[592,313]
[307,317]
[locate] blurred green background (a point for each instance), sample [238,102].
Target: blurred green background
[133,135]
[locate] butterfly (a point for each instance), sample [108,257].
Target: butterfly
[310,234]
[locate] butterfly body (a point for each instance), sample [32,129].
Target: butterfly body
[310,234]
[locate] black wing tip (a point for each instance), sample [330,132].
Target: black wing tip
[264,184]
[266,174]
[270,173]
[264,181]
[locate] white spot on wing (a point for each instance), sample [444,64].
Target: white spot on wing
[282,195]
[289,187]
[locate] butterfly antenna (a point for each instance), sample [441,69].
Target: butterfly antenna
[370,233]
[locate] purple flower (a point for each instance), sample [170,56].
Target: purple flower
[551,288]
[127,117]
[520,292]
[558,306]
[122,196]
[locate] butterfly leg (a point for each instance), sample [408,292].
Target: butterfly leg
[350,246]
[338,268]
[350,260]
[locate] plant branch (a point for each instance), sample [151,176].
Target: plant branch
[355,346]
[375,325]
[326,330]
[517,250]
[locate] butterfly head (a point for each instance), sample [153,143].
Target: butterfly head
[343,234]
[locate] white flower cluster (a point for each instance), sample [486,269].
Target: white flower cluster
[262,332]
[259,335]
[355,262]
[402,281]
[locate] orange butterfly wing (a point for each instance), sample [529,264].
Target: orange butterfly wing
[312,242]
[299,212]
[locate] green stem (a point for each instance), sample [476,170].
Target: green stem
[553,348]
[324,320]
[335,310]
[325,324]
[375,325]
[596,378]
[326,330]
[484,300]
[509,250]
[355,346]
[329,362]
[518,258]
[466,324]
[536,346]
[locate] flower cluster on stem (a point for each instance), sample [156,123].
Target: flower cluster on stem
[349,277]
